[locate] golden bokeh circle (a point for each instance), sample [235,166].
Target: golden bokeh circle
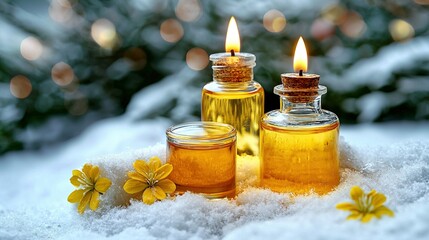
[104,34]
[31,48]
[171,30]
[62,74]
[401,30]
[197,59]
[188,10]
[20,87]
[274,21]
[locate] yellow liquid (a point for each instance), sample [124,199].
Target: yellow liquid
[209,170]
[242,110]
[300,160]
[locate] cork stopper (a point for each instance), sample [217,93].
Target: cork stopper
[300,89]
[238,68]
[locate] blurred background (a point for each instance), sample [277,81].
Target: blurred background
[65,64]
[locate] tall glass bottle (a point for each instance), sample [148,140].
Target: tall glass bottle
[299,142]
[234,98]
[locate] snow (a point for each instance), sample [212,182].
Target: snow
[391,158]
[376,72]
[388,133]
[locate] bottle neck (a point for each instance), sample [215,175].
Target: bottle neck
[287,105]
[236,68]
[300,101]
[233,74]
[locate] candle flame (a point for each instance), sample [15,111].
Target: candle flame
[300,57]
[232,37]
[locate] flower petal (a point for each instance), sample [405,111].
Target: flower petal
[137,176]
[102,185]
[84,202]
[383,210]
[93,173]
[372,193]
[86,169]
[158,193]
[141,167]
[93,204]
[76,196]
[132,186]
[378,200]
[163,171]
[356,193]
[354,216]
[148,197]
[167,185]
[75,181]
[77,173]
[346,206]
[367,217]
[154,163]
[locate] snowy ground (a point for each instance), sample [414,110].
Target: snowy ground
[391,158]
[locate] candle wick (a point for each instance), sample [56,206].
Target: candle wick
[300,72]
[232,53]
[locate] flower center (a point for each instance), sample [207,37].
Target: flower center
[151,179]
[86,182]
[365,204]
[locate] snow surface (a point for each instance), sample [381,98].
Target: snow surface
[390,59]
[387,157]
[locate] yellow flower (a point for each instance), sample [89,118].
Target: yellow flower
[150,179]
[365,206]
[90,185]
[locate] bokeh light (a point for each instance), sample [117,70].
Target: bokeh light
[171,30]
[349,22]
[76,103]
[188,10]
[334,13]
[274,20]
[137,57]
[322,29]
[20,87]
[352,25]
[401,30]
[104,33]
[31,48]
[197,59]
[60,10]
[62,74]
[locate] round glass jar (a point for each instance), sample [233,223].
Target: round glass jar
[203,158]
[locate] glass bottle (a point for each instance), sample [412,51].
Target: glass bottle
[234,98]
[203,155]
[299,142]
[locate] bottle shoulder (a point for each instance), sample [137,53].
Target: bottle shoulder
[282,119]
[246,87]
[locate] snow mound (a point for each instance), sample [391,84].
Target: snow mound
[400,171]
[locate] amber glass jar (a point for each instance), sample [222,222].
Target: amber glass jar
[203,158]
